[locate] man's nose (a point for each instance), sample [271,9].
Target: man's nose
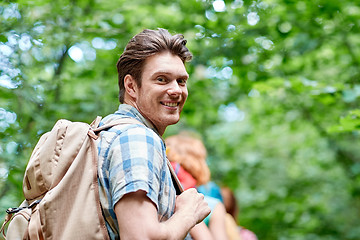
[174,88]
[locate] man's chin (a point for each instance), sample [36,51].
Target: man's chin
[173,121]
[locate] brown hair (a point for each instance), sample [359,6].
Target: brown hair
[143,45]
[190,152]
[230,202]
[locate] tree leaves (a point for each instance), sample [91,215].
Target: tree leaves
[273,91]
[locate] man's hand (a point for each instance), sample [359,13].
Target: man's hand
[191,206]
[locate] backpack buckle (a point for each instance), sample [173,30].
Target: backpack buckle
[92,134]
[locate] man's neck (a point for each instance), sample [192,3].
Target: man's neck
[133,104]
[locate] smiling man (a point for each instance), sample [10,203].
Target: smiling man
[163,90]
[137,195]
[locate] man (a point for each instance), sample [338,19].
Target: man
[136,191]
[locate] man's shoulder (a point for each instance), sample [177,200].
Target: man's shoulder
[132,130]
[137,131]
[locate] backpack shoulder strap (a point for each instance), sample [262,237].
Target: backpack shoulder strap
[116,122]
[178,187]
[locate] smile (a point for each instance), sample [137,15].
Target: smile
[170,104]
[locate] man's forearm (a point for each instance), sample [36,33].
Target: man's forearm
[175,228]
[138,219]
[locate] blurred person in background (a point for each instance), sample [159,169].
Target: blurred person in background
[187,155]
[232,209]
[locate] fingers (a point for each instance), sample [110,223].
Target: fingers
[204,209]
[193,202]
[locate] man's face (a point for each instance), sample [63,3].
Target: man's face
[163,90]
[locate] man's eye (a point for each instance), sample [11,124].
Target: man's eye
[161,79]
[182,81]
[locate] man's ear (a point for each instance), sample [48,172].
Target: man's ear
[130,86]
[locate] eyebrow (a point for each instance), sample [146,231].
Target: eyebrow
[169,73]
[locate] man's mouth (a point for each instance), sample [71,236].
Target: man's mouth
[170,104]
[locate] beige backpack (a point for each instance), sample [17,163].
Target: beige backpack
[61,188]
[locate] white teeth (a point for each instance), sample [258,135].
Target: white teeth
[171,104]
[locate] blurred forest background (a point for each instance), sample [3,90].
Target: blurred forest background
[273,91]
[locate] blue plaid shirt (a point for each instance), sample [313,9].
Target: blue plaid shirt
[132,157]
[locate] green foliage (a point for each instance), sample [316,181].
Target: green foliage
[273,91]
[349,123]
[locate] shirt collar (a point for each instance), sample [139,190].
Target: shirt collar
[130,111]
